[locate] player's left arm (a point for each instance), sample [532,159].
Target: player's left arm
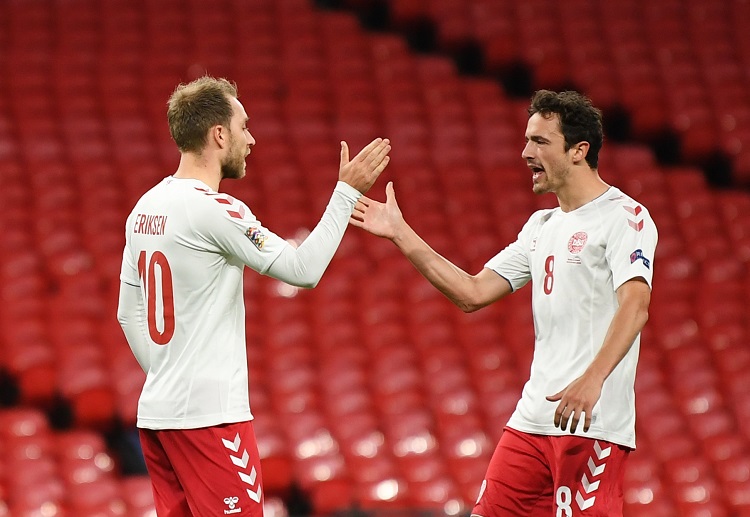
[580,396]
[239,234]
[630,252]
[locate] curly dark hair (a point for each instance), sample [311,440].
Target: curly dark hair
[196,107]
[580,121]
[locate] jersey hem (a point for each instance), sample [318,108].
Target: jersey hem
[594,434]
[192,423]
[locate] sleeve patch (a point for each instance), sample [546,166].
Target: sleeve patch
[256,236]
[638,255]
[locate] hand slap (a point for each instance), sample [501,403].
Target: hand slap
[362,171]
[380,219]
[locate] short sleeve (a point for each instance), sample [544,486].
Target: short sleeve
[631,245]
[512,263]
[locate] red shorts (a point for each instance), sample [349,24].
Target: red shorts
[532,475]
[204,472]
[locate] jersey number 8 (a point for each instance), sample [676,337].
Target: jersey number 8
[549,277]
[148,278]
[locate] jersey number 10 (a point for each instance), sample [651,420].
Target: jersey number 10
[165,295]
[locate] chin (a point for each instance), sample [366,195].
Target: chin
[228,173]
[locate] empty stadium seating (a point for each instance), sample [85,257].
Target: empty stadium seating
[370,391]
[673,65]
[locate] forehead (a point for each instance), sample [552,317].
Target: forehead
[541,125]
[238,110]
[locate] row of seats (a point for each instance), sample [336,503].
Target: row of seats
[678,65]
[63,473]
[44,472]
[371,390]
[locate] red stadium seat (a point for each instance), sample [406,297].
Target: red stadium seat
[644,492]
[439,493]
[98,497]
[275,454]
[722,447]
[137,493]
[23,422]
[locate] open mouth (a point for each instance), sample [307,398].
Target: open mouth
[536,171]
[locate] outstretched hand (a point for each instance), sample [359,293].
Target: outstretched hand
[362,171]
[381,219]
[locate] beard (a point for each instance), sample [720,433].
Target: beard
[233,166]
[552,179]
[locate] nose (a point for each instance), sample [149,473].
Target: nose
[250,139]
[526,153]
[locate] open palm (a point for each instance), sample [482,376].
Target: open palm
[381,219]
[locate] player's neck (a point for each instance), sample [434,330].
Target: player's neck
[582,190]
[193,166]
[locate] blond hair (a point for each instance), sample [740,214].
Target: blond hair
[196,107]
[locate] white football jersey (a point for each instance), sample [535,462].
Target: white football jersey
[186,248]
[576,261]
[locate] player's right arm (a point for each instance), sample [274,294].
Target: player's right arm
[131,313]
[131,308]
[468,292]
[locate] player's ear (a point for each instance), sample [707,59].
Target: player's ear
[580,150]
[219,135]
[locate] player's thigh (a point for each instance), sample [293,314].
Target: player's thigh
[518,480]
[169,496]
[219,469]
[588,477]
